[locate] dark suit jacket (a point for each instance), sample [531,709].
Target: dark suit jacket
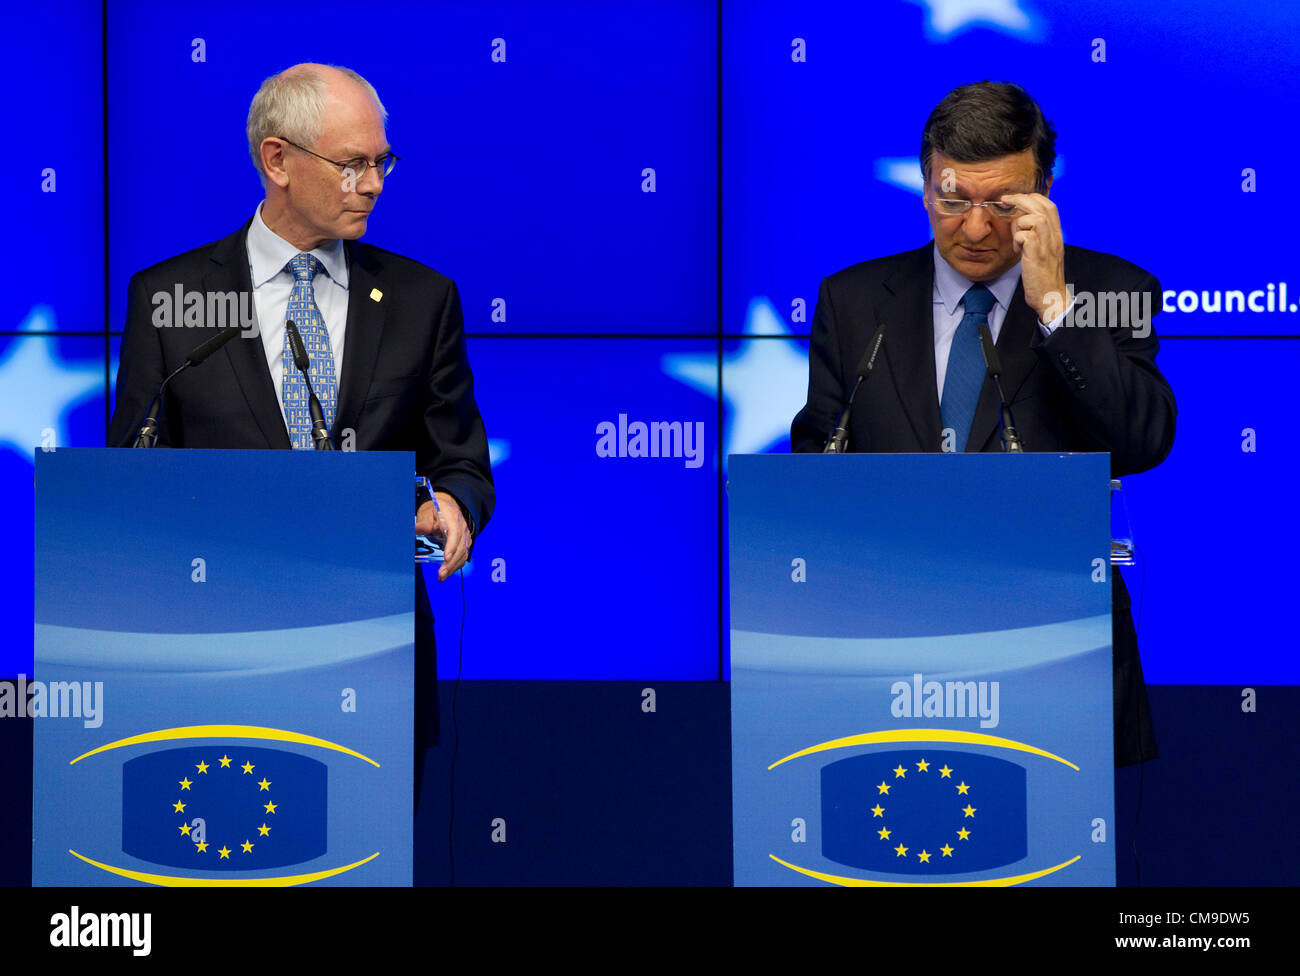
[405,382]
[1086,388]
[1090,388]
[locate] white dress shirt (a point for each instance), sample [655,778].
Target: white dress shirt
[950,288]
[268,253]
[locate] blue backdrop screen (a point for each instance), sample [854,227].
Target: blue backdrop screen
[638,205]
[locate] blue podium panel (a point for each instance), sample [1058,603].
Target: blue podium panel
[223,668]
[921,669]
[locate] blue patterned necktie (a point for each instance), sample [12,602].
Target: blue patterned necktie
[304,314]
[965,377]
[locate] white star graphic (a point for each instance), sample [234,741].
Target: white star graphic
[903,172]
[764,381]
[947,18]
[37,389]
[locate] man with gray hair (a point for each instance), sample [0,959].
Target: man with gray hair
[384,333]
[388,362]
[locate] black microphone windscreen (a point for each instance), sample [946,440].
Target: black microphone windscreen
[991,361]
[209,346]
[299,350]
[868,362]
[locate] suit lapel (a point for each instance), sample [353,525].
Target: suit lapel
[1015,350]
[364,333]
[909,344]
[228,272]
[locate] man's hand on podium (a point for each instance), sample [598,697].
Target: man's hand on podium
[445,524]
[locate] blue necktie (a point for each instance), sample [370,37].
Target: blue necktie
[304,314]
[965,377]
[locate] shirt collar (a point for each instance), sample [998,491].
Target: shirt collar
[950,287]
[268,253]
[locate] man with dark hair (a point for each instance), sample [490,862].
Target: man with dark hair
[982,121]
[998,258]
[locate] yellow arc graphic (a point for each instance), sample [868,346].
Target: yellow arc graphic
[924,735]
[869,883]
[224,732]
[171,881]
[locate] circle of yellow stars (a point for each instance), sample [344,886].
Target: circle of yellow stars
[884,833]
[201,768]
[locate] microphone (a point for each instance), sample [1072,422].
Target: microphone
[993,366]
[837,442]
[320,435]
[208,347]
[148,434]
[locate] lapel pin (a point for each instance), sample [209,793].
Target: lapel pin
[376,294]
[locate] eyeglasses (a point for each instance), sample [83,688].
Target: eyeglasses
[956,208]
[383,165]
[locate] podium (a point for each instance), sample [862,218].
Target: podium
[223,684]
[921,670]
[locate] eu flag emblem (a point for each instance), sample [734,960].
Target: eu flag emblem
[924,812]
[224,808]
